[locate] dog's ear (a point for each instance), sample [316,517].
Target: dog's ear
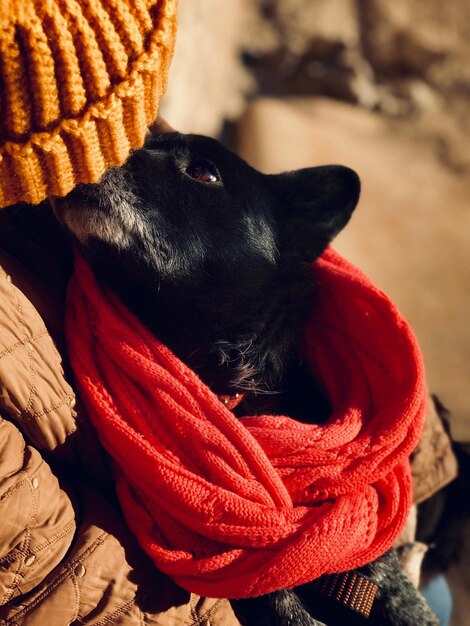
[314,204]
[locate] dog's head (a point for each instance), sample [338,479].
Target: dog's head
[208,251]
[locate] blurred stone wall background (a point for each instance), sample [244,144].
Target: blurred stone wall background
[380,85]
[407,59]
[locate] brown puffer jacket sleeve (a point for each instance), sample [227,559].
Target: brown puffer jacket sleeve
[37,518]
[66,556]
[434,464]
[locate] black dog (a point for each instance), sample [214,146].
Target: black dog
[214,258]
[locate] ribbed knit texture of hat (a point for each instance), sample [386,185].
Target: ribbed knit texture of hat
[80,81]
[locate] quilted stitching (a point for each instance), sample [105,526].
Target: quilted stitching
[199,614]
[37,517]
[33,387]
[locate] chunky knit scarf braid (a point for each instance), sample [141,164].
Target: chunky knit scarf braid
[234,507]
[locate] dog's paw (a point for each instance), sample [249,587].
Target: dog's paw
[280,608]
[398,602]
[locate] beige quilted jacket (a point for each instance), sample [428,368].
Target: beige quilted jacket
[66,556]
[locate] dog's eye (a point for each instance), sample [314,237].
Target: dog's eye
[203,171]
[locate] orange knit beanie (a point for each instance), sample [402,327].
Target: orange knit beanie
[80,81]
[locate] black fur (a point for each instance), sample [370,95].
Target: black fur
[214,258]
[219,271]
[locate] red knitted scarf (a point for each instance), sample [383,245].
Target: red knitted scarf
[234,507]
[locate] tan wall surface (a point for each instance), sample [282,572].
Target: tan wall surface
[410,232]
